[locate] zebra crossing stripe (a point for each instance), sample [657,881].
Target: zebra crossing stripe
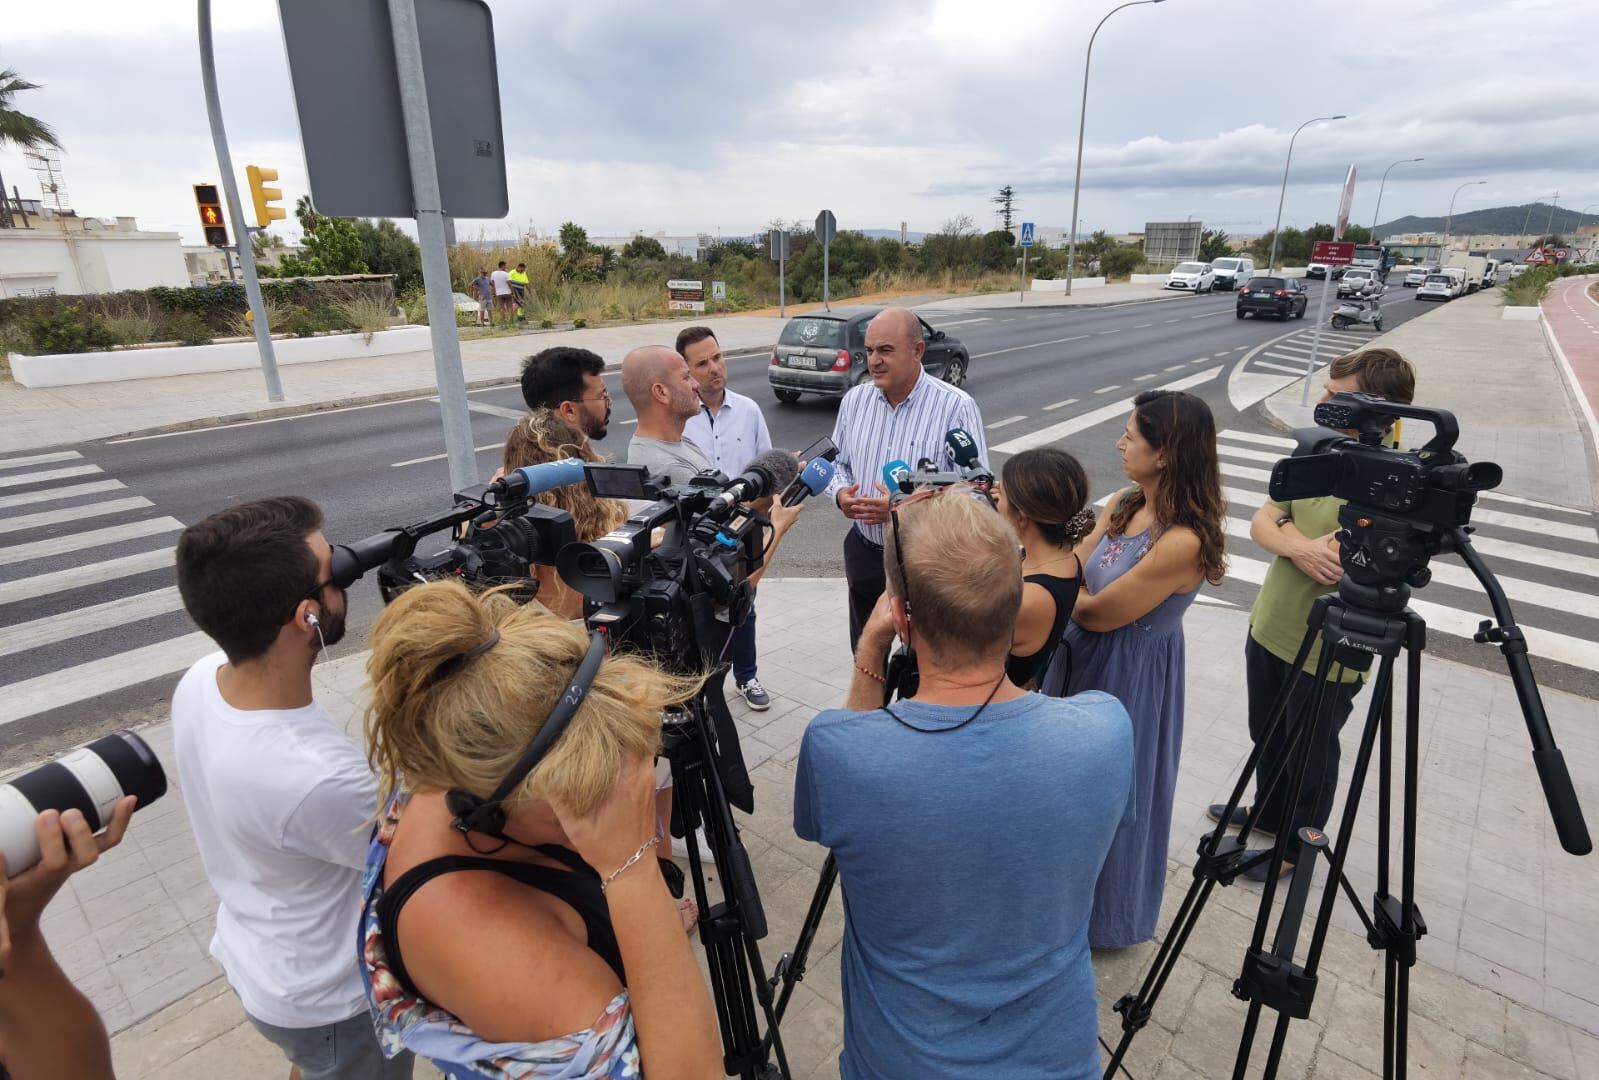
[23,522]
[1248,455]
[53,629]
[61,545]
[71,491]
[48,474]
[1254,437]
[39,459]
[59,581]
[68,686]
[1269,366]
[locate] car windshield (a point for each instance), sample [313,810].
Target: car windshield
[1190,268]
[1225,264]
[1437,279]
[1266,283]
[813,333]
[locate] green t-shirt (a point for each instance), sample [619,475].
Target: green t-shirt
[1277,620]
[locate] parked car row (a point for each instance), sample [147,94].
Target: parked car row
[1443,284]
[1203,277]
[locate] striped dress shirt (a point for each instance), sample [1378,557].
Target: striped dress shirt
[870,433]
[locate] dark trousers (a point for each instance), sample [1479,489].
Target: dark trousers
[1267,675]
[743,650]
[863,569]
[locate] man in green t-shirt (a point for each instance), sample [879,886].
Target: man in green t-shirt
[1301,534]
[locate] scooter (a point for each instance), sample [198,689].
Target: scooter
[1365,309]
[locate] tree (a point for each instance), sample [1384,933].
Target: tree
[330,246]
[19,129]
[1214,244]
[387,250]
[1121,262]
[1006,201]
[1096,247]
[574,239]
[643,247]
[998,250]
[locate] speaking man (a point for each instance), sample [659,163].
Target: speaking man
[730,429]
[903,415]
[966,932]
[665,396]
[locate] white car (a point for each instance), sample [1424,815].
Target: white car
[1233,273]
[1194,276]
[1436,287]
[1517,269]
[1356,280]
[1457,279]
[1419,275]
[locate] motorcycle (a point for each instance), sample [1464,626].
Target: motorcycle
[1361,310]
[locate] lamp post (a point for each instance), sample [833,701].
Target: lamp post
[1082,119]
[1527,219]
[1450,220]
[1271,260]
[1375,214]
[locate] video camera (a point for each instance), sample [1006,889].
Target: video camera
[1400,505]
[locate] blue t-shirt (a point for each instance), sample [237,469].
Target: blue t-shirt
[967,859]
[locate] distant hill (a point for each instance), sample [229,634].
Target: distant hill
[1494,221]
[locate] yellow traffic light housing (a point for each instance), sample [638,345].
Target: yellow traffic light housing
[263,196]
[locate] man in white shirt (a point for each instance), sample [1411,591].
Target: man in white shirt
[280,801]
[504,297]
[730,429]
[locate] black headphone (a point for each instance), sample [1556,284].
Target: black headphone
[474,814]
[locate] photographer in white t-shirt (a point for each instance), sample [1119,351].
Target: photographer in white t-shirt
[280,800]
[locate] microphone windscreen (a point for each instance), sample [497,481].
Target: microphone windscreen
[780,465]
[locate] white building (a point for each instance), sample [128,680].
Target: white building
[66,254]
[688,246]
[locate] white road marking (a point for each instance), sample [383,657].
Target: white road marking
[1208,314]
[1060,404]
[1034,345]
[1108,389]
[1264,440]
[1143,325]
[72,513]
[1102,333]
[39,459]
[48,474]
[52,629]
[441,457]
[77,577]
[1056,432]
[81,682]
[71,491]
[1007,422]
[1247,455]
[1151,375]
[61,545]
[1174,367]
[1296,371]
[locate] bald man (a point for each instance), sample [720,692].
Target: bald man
[902,416]
[665,395]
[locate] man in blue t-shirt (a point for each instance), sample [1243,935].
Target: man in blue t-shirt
[969,823]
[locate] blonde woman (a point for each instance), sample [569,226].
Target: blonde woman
[555,951]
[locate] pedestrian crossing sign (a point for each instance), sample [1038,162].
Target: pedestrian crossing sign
[1027,234]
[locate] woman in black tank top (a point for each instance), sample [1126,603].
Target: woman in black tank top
[1044,495]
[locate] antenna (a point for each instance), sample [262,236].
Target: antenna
[52,185]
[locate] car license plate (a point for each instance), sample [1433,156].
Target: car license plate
[800,361]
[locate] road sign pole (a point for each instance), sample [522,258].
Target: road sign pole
[1021,287]
[827,258]
[430,236]
[1315,342]
[782,290]
[230,190]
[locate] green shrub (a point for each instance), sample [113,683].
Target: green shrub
[300,323]
[1121,263]
[579,323]
[364,314]
[131,328]
[68,330]
[546,323]
[186,328]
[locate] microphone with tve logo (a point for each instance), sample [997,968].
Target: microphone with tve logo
[812,480]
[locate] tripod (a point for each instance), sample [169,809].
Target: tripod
[1363,620]
[708,779]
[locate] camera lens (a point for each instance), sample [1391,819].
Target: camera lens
[90,779]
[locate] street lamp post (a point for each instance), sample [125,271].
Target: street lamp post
[1082,119]
[1378,212]
[1527,219]
[1271,260]
[1450,220]
[1550,224]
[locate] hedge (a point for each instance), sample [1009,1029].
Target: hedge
[218,306]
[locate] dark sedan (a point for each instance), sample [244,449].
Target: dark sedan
[825,354]
[1282,297]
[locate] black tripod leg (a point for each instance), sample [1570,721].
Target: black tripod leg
[791,966]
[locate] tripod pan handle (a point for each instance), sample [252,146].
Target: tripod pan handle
[1562,798]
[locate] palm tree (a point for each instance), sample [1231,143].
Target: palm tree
[19,128]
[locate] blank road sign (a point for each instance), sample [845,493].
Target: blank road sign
[346,91]
[826,226]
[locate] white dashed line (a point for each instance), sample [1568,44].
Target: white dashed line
[1104,332]
[1241,348]
[1175,367]
[1201,360]
[1107,389]
[1142,378]
[1060,404]
[1143,325]
[1009,420]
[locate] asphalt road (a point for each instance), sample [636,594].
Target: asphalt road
[1053,375]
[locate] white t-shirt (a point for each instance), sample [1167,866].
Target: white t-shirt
[502,283]
[281,804]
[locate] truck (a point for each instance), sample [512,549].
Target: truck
[1474,266]
[1376,258]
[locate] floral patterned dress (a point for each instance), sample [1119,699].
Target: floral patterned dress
[605,1050]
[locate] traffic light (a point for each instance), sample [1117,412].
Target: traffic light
[209,203]
[265,212]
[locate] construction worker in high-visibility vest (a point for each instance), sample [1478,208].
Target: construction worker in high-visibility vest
[519,287]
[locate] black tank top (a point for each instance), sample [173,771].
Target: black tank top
[578,886]
[1023,670]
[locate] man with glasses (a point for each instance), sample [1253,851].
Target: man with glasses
[569,382]
[969,823]
[279,799]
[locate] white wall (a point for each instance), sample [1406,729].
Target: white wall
[88,262]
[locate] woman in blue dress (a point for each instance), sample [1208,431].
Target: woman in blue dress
[1155,544]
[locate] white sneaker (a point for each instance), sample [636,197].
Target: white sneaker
[680,848]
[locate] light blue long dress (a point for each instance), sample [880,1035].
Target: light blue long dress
[1141,664]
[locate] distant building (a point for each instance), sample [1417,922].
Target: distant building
[208,265]
[49,252]
[691,247]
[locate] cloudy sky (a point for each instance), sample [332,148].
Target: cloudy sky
[704,116]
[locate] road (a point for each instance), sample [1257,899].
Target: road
[92,631]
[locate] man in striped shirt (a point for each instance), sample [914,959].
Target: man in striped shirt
[903,415]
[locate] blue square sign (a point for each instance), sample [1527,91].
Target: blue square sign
[1027,234]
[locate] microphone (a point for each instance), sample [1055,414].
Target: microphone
[894,473]
[812,480]
[769,472]
[535,479]
[962,448]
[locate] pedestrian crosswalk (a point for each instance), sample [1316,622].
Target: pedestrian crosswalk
[1283,360]
[88,605]
[1546,558]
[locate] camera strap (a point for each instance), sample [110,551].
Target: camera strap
[473,814]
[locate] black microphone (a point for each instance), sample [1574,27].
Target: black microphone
[768,474]
[962,448]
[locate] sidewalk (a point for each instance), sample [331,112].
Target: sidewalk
[1504,386]
[1508,984]
[33,419]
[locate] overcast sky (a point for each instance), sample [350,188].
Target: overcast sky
[702,116]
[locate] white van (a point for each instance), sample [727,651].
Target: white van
[1233,273]
[1457,276]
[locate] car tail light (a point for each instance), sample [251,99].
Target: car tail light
[1282,292]
[1244,291]
[774,357]
[842,363]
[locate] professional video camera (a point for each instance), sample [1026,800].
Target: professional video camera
[501,534]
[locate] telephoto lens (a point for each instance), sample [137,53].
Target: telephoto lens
[91,778]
